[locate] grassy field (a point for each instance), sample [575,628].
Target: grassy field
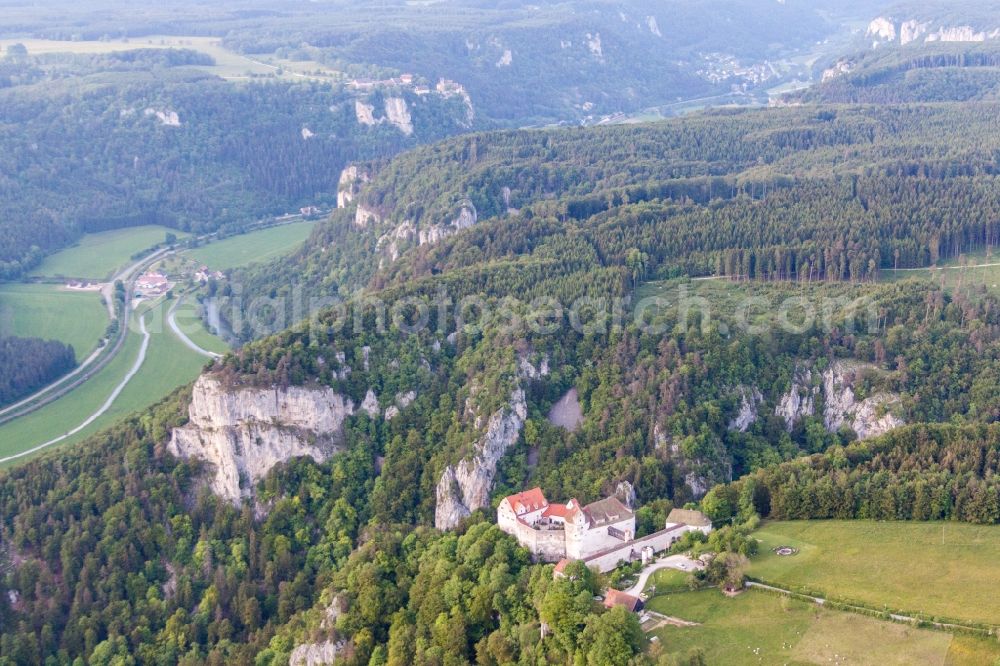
[252,247]
[758,628]
[49,311]
[98,256]
[168,365]
[933,568]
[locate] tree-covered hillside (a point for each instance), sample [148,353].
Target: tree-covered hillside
[120,548]
[177,146]
[804,194]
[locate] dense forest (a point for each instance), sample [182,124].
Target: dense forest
[27,364]
[806,195]
[932,73]
[923,472]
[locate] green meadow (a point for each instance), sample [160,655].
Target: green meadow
[759,628]
[98,256]
[252,247]
[52,312]
[937,569]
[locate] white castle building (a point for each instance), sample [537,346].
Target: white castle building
[602,533]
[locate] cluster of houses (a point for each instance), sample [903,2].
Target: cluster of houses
[151,285]
[203,275]
[445,87]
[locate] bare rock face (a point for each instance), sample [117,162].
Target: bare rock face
[467,216]
[626,494]
[465,487]
[398,114]
[370,404]
[244,432]
[365,113]
[799,402]
[868,418]
[349,184]
[750,400]
[316,654]
[364,216]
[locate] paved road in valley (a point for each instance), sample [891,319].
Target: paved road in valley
[188,342]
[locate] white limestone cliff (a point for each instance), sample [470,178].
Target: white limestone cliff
[868,418]
[750,400]
[165,116]
[799,401]
[398,115]
[882,28]
[316,654]
[349,184]
[244,432]
[365,215]
[365,113]
[466,487]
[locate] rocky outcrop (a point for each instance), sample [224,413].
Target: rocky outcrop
[653,26]
[626,494]
[403,400]
[884,30]
[370,404]
[800,399]
[316,654]
[870,417]
[750,400]
[365,113]
[398,115]
[594,45]
[244,432]
[466,487]
[165,116]
[364,216]
[467,216]
[349,185]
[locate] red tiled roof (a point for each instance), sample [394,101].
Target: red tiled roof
[614,598]
[561,565]
[557,510]
[528,501]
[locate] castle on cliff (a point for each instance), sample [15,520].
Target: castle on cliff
[601,533]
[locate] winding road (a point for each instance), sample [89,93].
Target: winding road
[188,342]
[103,408]
[679,562]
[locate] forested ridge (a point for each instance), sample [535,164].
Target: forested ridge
[805,194]
[179,147]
